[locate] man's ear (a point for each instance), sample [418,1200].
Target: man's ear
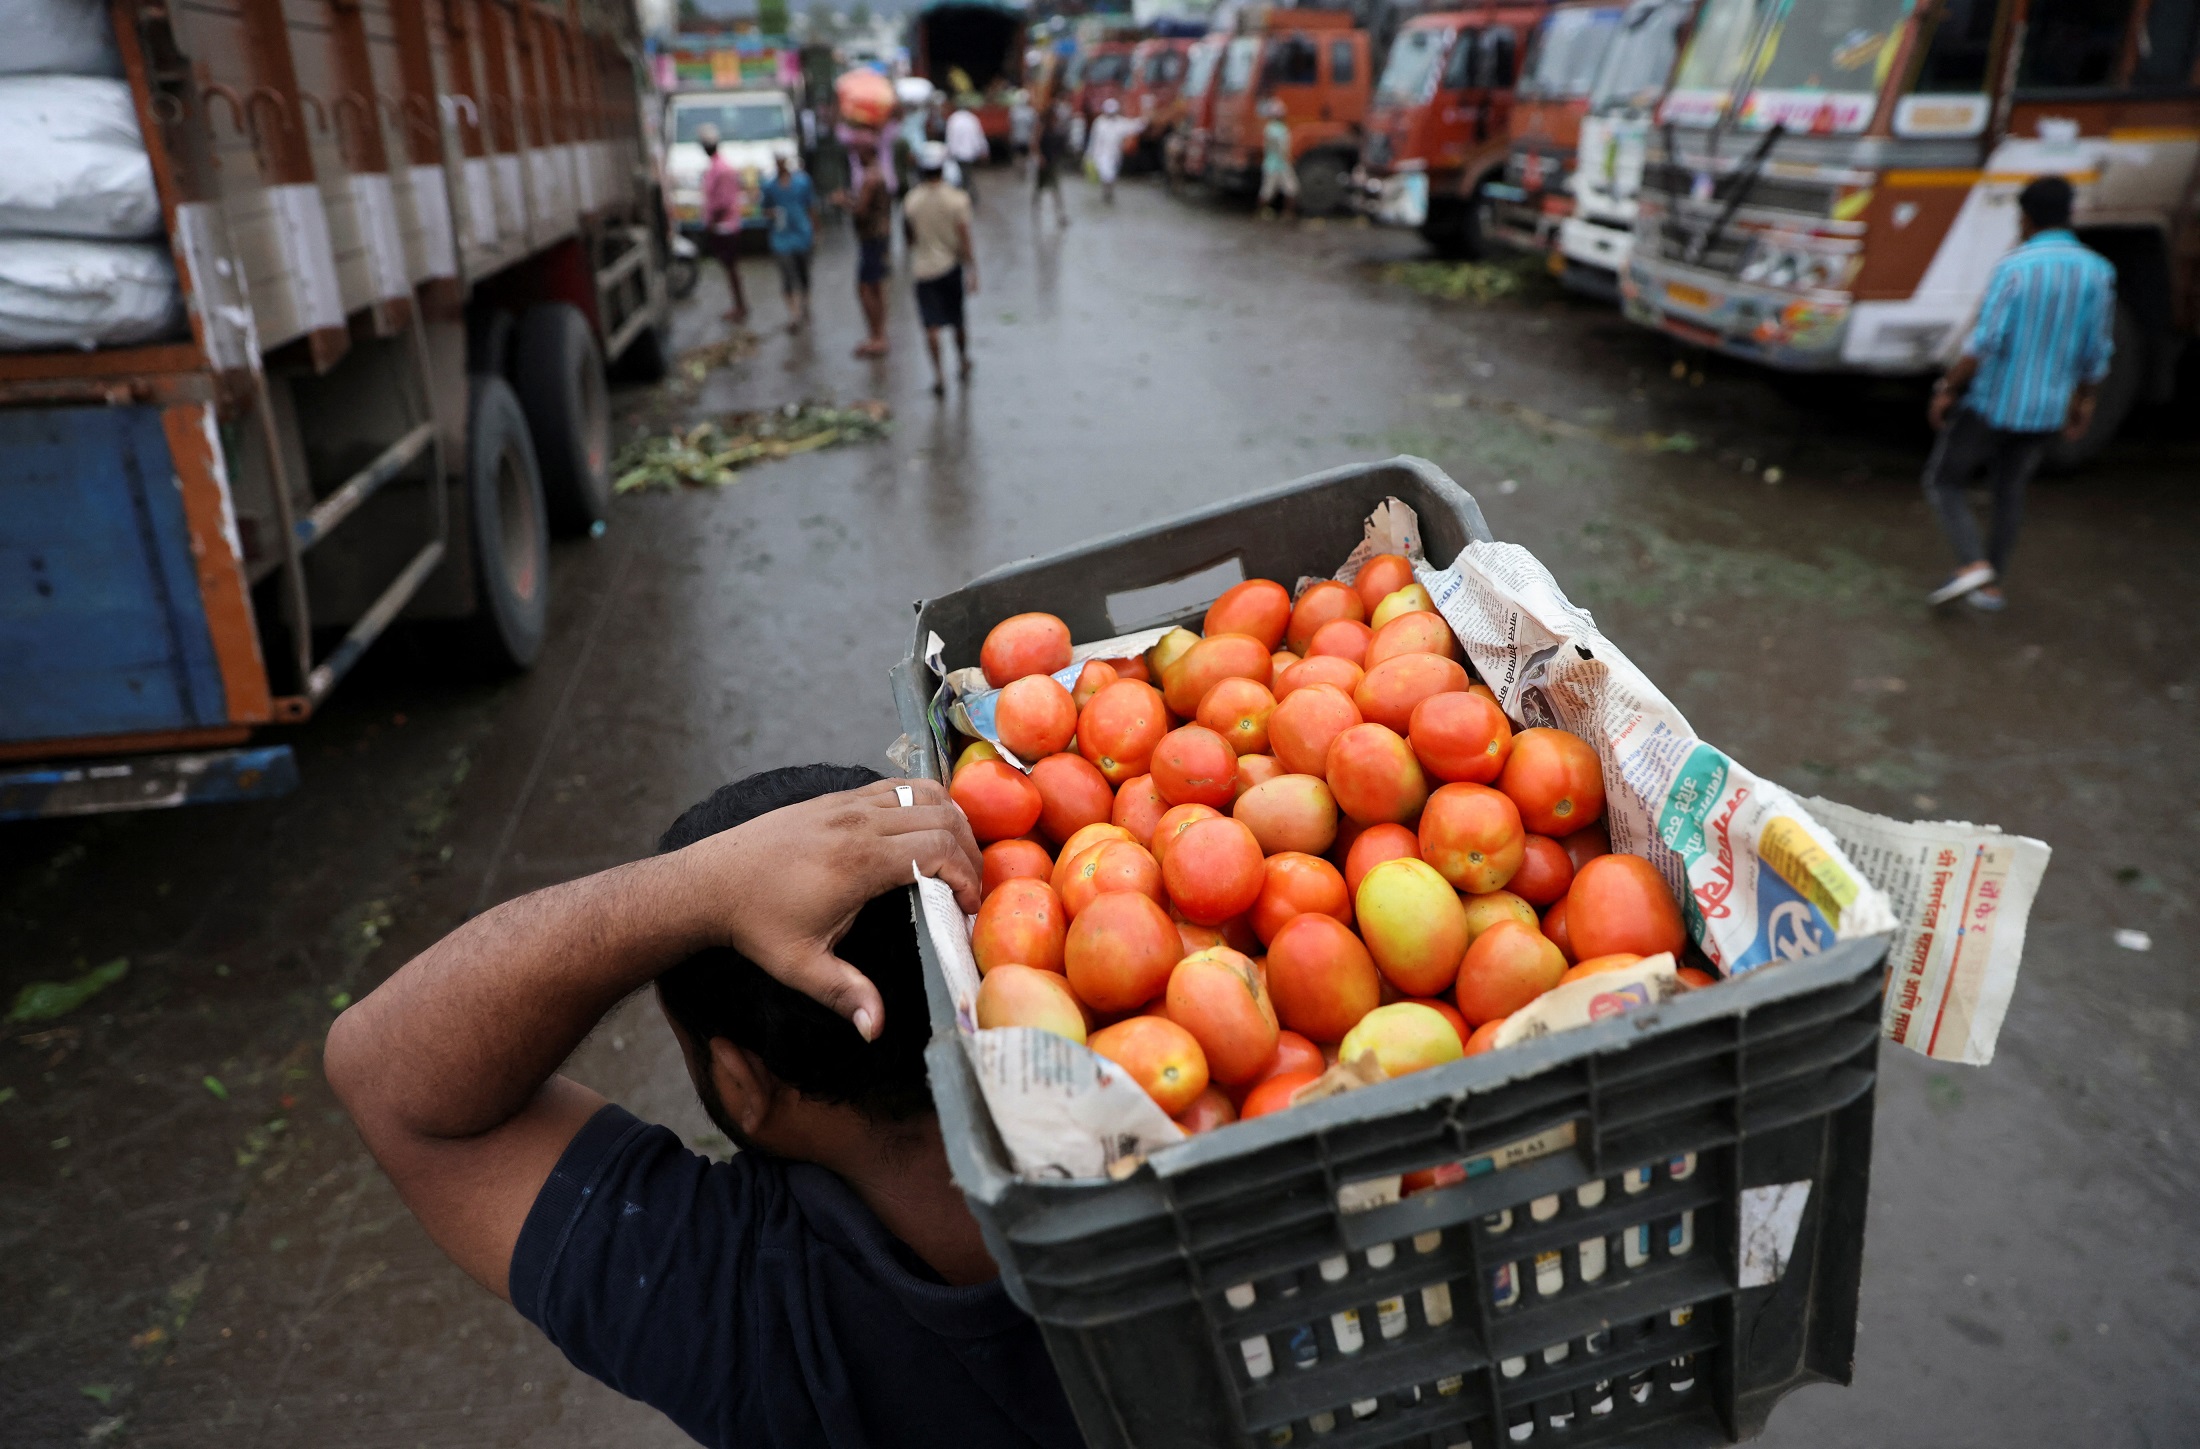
[746,1087]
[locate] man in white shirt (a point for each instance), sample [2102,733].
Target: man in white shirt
[967,145]
[1111,132]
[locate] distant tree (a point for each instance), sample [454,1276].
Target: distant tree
[859,16]
[691,15]
[820,22]
[771,16]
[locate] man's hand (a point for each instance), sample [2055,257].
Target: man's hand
[784,888]
[2080,418]
[1943,403]
[970,279]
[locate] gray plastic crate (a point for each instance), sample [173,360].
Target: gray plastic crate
[1219,1296]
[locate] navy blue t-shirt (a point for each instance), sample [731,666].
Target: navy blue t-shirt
[759,1302]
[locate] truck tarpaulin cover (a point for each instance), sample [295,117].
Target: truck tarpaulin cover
[980,39]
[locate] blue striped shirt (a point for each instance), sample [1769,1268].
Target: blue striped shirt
[2048,324]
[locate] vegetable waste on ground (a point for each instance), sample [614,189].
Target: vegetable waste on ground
[711,454]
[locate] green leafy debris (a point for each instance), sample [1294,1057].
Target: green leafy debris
[48,1000]
[100,1394]
[1478,282]
[711,454]
[214,1084]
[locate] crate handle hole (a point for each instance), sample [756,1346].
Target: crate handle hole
[1172,599]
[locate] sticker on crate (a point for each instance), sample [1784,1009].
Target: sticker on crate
[1760,880]
[1771,1217]
[1062,1111]
[1374,1192]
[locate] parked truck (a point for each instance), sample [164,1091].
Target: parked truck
[1438,126]
[1525,209]
[1828,187]
[1594,238]
[407,234]
[1317,64]
[744,86]
[972,51]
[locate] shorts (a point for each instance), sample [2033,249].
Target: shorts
[1045,177]
[872,258]
[1278,181]
[940,299]
[794,271]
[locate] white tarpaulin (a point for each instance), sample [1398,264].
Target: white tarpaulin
[58,292]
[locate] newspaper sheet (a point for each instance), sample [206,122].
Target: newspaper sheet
[1962,894]
[1758,879]
[1062,1111]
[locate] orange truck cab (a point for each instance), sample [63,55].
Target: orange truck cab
[1316,63]
[1102,74]
[1184,153]
[1528,206]
[1154,96]
[1437,125]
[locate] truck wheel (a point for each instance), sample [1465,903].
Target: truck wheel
[2127,372]
[511,534]
[557,370]
[1321,184]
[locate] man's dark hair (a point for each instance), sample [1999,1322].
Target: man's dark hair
[720,992]
[2045,202]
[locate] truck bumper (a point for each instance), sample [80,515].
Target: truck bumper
[1760,324]
[1596,255]
[1400,199]
[147,782]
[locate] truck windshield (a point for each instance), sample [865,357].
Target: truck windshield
[1238,63]
[1201,71]
[1635,67]
[1163,68]
[1107,70]
[1410,77]
[1817,66]
[1562,59]
[758,120]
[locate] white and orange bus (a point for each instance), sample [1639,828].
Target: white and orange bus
[1830,182]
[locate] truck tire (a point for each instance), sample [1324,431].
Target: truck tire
[510,529]
[557,371]
[2127,374]
[1321,184]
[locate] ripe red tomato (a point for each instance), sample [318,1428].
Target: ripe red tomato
[1621,903]
[1555,779]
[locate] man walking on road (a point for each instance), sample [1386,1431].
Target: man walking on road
[1104,146]
[2031,370]
[872,211]
[1278,177]
[1049,150]
[936,218]
[793,204]
[828,1285]
[967,144]
[722,205]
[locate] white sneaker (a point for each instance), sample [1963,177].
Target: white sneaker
[1962,582]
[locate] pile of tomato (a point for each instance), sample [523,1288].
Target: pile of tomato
[1303,833]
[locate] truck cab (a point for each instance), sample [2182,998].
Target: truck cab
[1103,74]
[1608,165]
[972,51]
[1154,97]
[1525,209]
[1316,63]
[755,129]
[1185,151]
[1437,125]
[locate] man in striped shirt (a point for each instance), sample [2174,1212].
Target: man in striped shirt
[2031,370]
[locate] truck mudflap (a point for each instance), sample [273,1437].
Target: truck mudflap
[147,782]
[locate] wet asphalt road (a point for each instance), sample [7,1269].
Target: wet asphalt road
[186,1267]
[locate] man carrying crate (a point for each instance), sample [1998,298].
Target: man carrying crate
[826,1286]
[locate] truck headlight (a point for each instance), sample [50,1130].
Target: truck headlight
[1772,262]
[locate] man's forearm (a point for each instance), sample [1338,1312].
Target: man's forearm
[462,1037]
